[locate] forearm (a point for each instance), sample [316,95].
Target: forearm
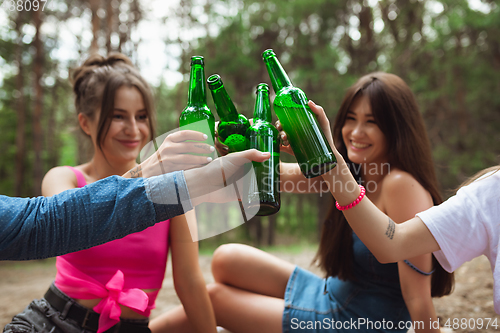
[388,241]
[81,218]
[423,315]
[293,181]
[197,305]
[367,221]
[135,172]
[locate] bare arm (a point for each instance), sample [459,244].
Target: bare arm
[188,278]
[57,180]
[386,240]
[402,198]
[293,181]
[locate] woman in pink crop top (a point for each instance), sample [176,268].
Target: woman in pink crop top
[113,287]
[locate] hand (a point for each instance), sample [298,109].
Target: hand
[174,154]
[323,121]
[285,145]
[222,149]
[212,183]
[341,167]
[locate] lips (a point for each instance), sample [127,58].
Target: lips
[359,145]
[129,143]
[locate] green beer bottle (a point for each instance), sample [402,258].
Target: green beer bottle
[197,110]
[233,126]
[309,145]
[264,190]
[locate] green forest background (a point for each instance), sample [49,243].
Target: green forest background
[447,51]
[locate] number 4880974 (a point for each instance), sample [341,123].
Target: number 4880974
[471,323]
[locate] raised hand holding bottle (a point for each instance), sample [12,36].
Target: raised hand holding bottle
[310,147]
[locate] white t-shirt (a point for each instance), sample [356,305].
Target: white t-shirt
[468,225]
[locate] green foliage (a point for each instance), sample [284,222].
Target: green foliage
[447,52]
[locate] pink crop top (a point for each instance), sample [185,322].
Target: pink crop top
[117,271]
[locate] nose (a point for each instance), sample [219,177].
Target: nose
[131,127]
[358,130]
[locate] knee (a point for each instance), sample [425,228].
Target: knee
[215,289]
[224,258]
[216,293]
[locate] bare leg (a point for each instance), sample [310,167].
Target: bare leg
[237,310]
[251,269]
[247,296]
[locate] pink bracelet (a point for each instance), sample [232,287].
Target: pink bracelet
[355,202]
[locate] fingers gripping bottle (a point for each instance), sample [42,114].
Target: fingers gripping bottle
[309,144]
[196,115]
[264,190]
[233,126]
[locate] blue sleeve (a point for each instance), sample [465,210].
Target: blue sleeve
[36,228]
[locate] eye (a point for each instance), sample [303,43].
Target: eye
[350,118]
[142,117]
[371,121]
[117,116]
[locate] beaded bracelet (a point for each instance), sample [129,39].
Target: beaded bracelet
[355,202]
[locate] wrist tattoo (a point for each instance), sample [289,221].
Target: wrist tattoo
[136,173]
[390,229]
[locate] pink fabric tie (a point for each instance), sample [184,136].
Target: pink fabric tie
[82,286]
[109,307]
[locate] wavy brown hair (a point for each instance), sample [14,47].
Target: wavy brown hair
[492,170]
[396,113]
[95,84]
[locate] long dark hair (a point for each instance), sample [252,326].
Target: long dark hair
[95,84]
[396,113]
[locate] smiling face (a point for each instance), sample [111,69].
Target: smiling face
[362,137]
[129,128]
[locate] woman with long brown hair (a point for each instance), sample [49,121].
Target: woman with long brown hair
[464,227]
[381,134]
[113,287]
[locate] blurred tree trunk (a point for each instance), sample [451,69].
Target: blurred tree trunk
[109,24]
[21,112]
[38,104]
[96,23]
[271,235]
[258,230]
[51,134]
[461,98]
[299,213]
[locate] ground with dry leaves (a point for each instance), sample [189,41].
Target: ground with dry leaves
[472,298]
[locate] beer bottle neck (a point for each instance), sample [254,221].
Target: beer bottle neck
[197,94]
[262,109]
[278,76]
[223,104]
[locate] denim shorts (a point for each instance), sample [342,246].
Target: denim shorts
[40,317]
[315,304]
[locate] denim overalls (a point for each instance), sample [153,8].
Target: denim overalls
[372,303]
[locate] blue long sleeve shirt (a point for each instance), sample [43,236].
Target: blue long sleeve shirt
[42,227]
